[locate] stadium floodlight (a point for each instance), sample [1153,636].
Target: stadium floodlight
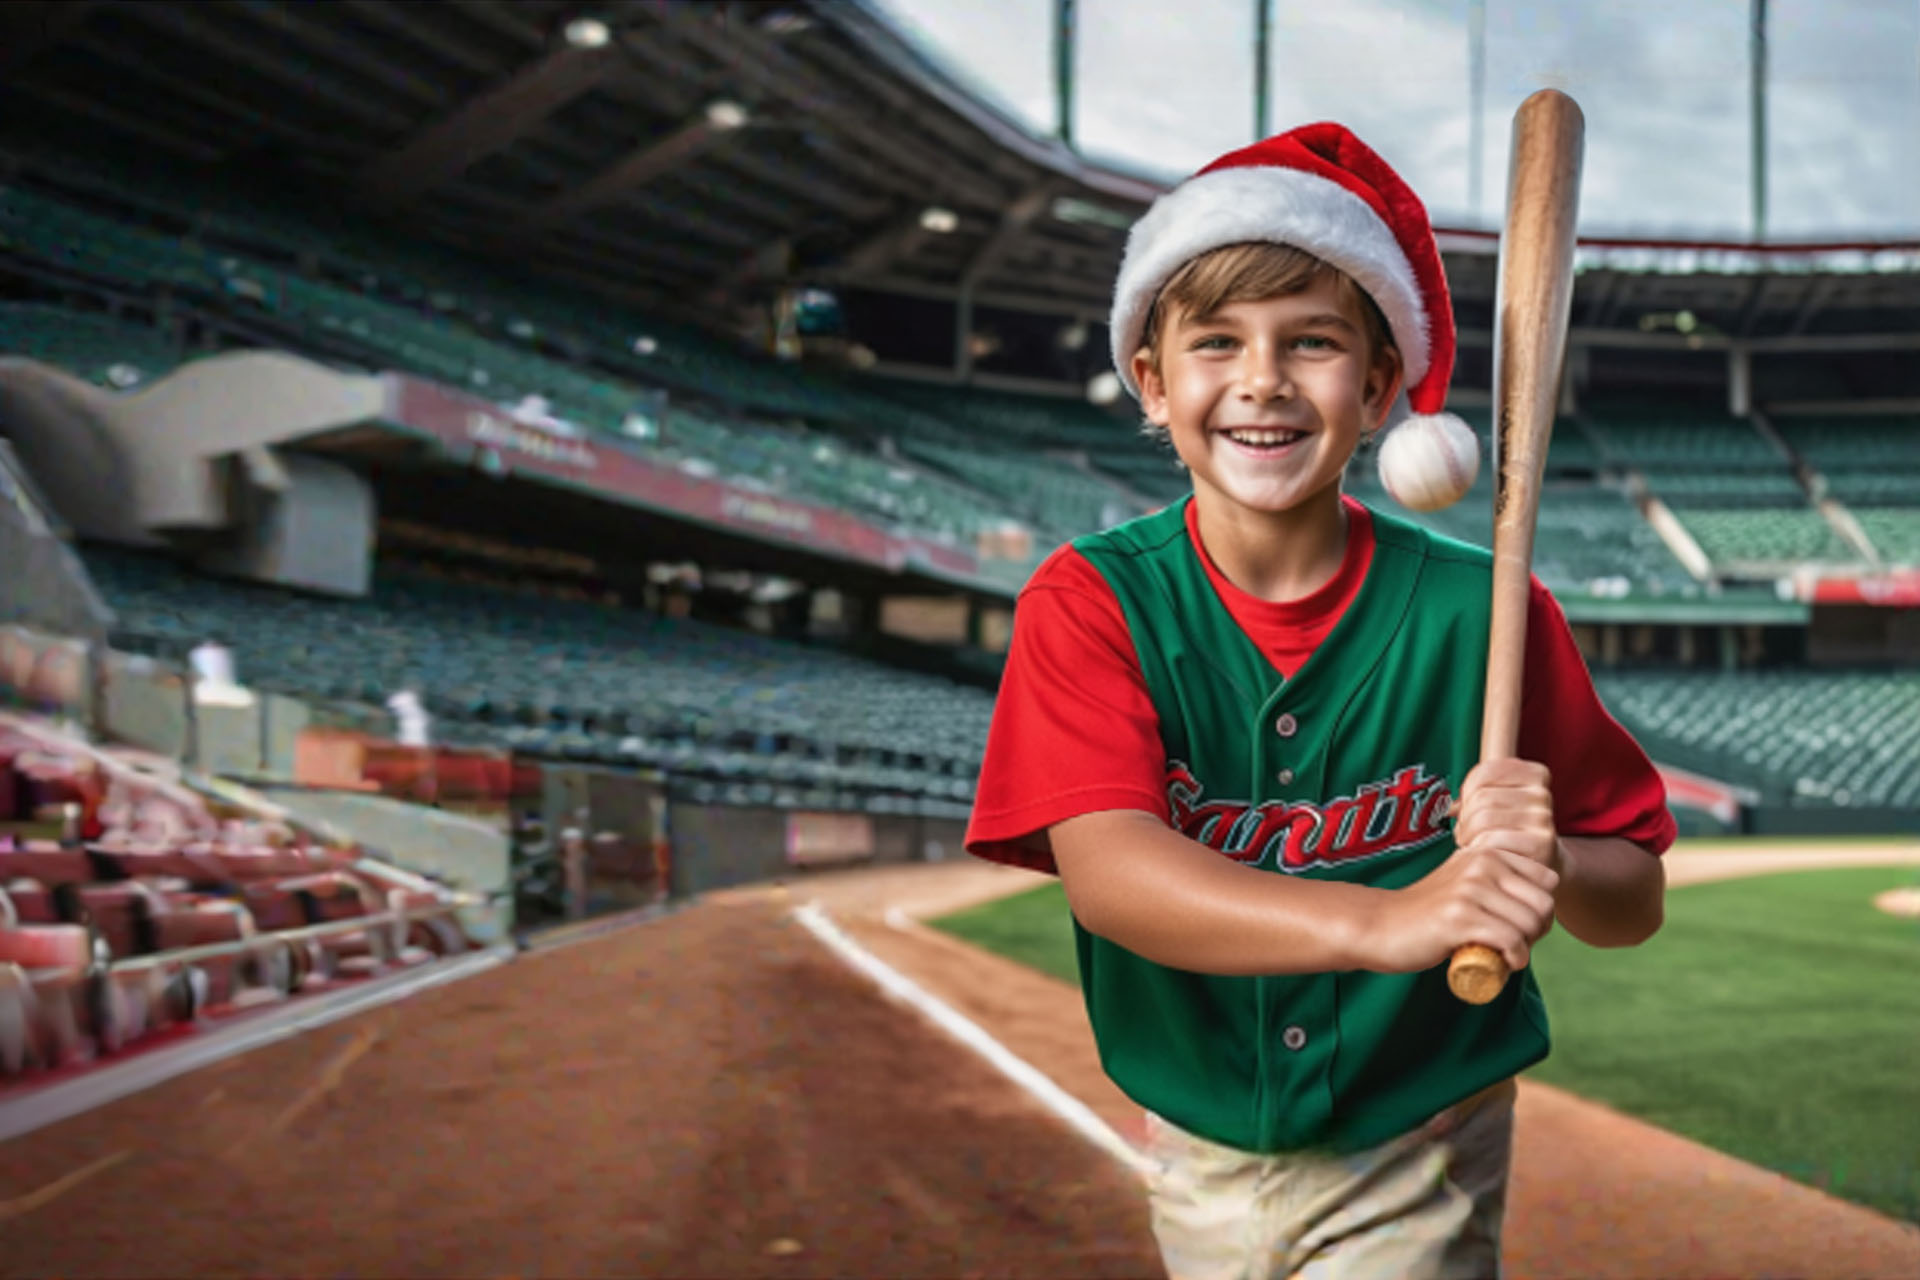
[587,33]
[786,22]
[940,221]
[726,115]
[1104,388]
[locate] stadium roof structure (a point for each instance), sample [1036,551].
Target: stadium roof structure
[699,156]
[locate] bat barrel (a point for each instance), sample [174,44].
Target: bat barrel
[1533,299]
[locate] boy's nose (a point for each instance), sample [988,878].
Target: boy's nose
[1264,376]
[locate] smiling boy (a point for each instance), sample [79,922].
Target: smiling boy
[1244,732]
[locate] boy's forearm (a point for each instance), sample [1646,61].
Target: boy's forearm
[1136,882]
[1612,892]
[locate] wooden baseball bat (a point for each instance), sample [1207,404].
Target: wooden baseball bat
[1533,296]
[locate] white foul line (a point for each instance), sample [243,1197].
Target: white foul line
[1076,1113]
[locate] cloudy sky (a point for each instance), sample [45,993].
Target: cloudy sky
[1166,85]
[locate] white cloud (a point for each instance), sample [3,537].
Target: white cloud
[1166,86]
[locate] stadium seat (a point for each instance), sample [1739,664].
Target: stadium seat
[1850,739]
[673,692]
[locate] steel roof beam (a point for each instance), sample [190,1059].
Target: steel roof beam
[628,173]
[948,131]
[1817,294]
[1751,308]
[398,20]
[201,93]
[295,74]
[896,240]
[485,124]
[139,125]
[293,22]
[1091,306]
[758,60]
[1013,222]
[29,29]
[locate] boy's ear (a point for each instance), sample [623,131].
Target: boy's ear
[1383,385]
[1153,388]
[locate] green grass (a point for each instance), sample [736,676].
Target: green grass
[1774,1018]
[1034,928]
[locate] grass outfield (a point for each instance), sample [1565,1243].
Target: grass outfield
[1775,1018]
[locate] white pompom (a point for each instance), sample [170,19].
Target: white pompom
[1429,461]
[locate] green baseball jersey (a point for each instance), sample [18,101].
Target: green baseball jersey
[1343,772]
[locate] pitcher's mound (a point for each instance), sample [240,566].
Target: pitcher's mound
[1900,902]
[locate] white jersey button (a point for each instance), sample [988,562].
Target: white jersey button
[1283,777]
[1286,726]
[1295,1038]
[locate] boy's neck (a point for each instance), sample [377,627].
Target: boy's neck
[1277,556]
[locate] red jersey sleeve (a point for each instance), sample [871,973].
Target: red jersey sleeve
[1074,730]
[1603,782]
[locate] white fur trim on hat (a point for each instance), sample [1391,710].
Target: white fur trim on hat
[1278,205]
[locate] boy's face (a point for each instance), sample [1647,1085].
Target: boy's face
[1266,401]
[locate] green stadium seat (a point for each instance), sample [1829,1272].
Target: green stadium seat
[109,352]
[1848,739]
[570,680]
[1894,532]
[1765,537]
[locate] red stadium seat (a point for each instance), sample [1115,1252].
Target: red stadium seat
[47,946]
[201,924]
[46,862]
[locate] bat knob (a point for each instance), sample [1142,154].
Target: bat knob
[1476,973]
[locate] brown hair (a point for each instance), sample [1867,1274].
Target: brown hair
[1252,272]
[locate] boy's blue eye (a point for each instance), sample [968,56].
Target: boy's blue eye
[1314,342]
[1212,341]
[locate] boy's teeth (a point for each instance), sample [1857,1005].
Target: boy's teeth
[1264,437]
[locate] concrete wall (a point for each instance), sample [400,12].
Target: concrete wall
[314,531]
[65,432]
[176,428]
[146,705]
[1780,820]
[121,467]
[716,846]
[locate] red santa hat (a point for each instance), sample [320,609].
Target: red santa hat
[1320,189]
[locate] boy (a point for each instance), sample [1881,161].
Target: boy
[1237,728]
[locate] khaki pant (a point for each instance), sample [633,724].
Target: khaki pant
[1425,1206]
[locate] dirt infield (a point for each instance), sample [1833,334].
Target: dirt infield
[707,1095]
[714,1094]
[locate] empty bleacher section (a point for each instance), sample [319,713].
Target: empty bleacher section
[1894,532]
[1590,537]
[1034,426]
[1802,738]
[1731,489]
[742,718]
[1872,465]
[429,314]
[106,351]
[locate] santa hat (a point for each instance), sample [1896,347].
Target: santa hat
[1320,189]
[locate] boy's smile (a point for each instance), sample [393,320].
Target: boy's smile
[1266,400]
